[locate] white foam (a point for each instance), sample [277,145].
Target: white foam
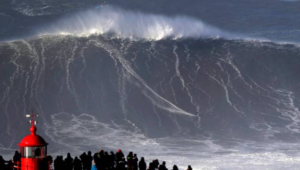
[135,25]
[84,132]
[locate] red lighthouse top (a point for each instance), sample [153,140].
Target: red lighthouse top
[33,139]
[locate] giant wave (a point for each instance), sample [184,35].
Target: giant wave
[187,92]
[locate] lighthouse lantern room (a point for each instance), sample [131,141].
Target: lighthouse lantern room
[33,149]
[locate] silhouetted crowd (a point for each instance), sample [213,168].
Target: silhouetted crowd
[11,164]
[101,160]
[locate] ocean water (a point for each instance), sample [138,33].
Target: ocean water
[214,85]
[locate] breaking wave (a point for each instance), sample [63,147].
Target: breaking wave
[133,25]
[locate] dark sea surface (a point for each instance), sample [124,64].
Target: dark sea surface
[215,85]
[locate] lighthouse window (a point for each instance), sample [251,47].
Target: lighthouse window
[22,152]
[27,153]
[36,152]
[44,151]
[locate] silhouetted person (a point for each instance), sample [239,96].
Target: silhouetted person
[56,163]
[10,165]
[59,163]
[17,160]
[163,166]
[69,162]
[2,163]
[62,163]
[94,167]
[142,164]
[134,162]
[175,167]
[155,163]
[77,164]
[83,158]
[96,159]
[151,166]
[112,159]
[189,168]
[50,160]
[119,155]
[106,160]
[102,160]
[121,164]
[44,163]
[99,160]
[129,161]
[89,159]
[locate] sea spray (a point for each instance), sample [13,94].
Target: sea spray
[133,25]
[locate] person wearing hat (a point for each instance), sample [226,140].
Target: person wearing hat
[119,156]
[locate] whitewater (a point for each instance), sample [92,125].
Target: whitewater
[132,25]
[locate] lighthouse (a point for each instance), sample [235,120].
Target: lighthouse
[33,149]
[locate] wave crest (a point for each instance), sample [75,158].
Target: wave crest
[133,25]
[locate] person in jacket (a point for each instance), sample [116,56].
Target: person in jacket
[163,166]
[94,167]
[189,167]
[135,162]
[142,164]
[175,167]
[69,162]
[129,161]
[121,164]
[77,164]
[2,163]
[119,156]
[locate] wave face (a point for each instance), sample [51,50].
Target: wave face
[210,97]
[133,25]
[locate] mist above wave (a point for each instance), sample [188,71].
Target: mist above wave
[135,25]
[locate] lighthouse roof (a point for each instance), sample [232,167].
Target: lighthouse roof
[32,139]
